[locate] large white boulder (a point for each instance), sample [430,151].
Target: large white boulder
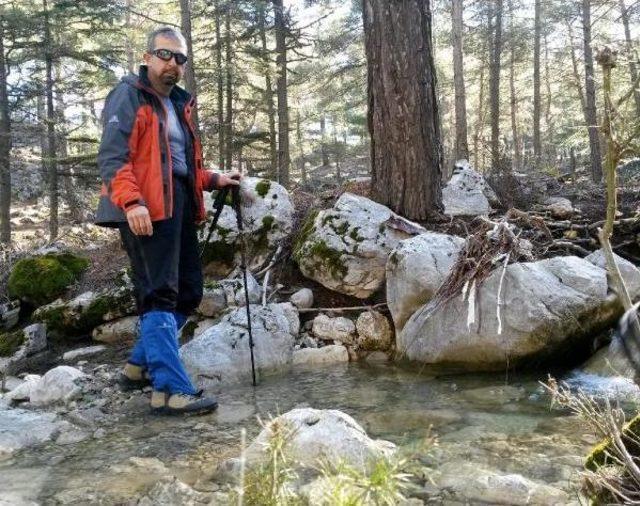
[221,354]
[316,434]
[415,270]
[267,218]
[547,306]
[345,248]
[467,193]
[59,384]
[21,429]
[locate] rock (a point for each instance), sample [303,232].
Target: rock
[203,325]
[88,310]
[9,314]
[548,306]
[70,434]
[173,492]
[377,357]
[321,434]
[22,392]
[467,192]
[8,383]
[220,355]
[334,329]
[345,248]
[21,429]
[468,482]
[116,331]
[291,313]
[374,331]
[415,271]
[302,299]
[267,213]
[214,300]
[332,354]
[87,351]
[18,349]
[229,292]
[560,208]
[610,361]
[306,341]
[57,385]
[41,279]
[629,272]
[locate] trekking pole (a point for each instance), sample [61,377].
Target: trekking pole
[235,198]
[218,205]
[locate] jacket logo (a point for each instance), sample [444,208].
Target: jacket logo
[113,119]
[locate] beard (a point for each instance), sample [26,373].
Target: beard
[169,78]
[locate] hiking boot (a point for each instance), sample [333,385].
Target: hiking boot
[177,404]
[133,377]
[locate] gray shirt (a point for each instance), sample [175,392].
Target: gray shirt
[177,141]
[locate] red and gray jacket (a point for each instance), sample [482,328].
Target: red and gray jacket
[134,156]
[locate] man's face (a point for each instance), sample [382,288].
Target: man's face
[167,72]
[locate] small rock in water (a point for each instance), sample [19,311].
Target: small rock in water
[334,329]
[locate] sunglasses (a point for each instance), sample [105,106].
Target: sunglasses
[166,55]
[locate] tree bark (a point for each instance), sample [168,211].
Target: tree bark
[590,95]
[5,147]
[494,85]
[517,150]
[462,147]
[633,56]
[576,71]
[268,91]
[537,30]
[51,132]
[228,134]
[302,159]
[284,159]
[479,130]
[189,72]
[220,85]
[323,140]
[403,119]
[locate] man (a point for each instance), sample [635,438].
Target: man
[150,162]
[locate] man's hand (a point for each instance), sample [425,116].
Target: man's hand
[230,179]
[139,221]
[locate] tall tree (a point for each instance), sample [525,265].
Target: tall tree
[632,55]
[462,148]
[268,88]
[517,148]
[284,159]
[190,72]
[590,95]
[494,85]
[228,135]
[537,29]
[406,151]
[220,84]
[5,145]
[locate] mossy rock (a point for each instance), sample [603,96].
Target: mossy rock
[262,187]
[42,279]
[600,455]
[10,342]
[305,232]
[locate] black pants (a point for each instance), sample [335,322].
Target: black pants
[167,273]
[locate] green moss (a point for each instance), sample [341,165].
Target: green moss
[381,228]
[11,342]
[189,329]
[305,232]
[328,257]
[261,236]
[354,235]
[600,454]
[341,229]
[328,218]
[212,285]
[42,279]
[262,187]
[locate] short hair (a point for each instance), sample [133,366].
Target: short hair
[165,31]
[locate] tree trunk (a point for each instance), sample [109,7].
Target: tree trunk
[220,83]
[229,91]
[537,29]
[189,71]
[479,130]
[590,95]
[5,148]
[632,55]
[337,152]
[268,91]
[51,132]
[403,120]
[576,71]
[323,140]
[127,39]
[462,147]
[494,85]
[302,158]
[550,133]
[283,107]
[517,151]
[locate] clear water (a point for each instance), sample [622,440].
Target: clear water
[478,419]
